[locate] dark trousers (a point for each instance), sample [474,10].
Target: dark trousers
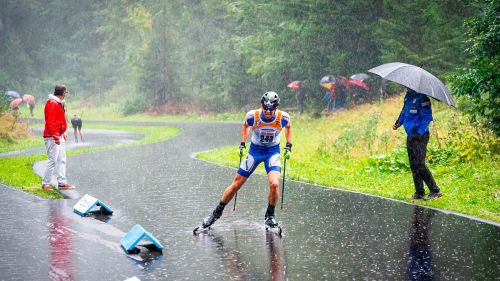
[299,97]
[417,149]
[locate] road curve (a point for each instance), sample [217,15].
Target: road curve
[329,234]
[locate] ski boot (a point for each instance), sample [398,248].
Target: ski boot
[208,221]
[273,225]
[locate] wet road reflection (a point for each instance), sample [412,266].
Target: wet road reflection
[419,261]
[60,245]
[328,234]
[276,257]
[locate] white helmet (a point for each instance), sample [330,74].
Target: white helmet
[270,100]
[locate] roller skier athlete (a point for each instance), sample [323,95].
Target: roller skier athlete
[266,124]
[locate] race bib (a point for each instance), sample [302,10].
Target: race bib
[266,136]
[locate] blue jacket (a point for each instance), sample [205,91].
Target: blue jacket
[416,114]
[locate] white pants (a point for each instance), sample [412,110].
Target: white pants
[57,160]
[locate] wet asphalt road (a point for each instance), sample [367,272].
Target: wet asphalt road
[329,234]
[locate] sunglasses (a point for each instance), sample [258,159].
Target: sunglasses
[269,108]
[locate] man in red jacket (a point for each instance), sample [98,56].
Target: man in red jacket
[55,138]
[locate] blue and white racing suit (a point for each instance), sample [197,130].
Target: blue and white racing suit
[265,143]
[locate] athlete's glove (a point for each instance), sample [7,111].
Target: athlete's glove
[241,149]
[288,151]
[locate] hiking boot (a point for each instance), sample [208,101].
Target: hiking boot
[418,196]
[65,186]
[47,187]
[433,195]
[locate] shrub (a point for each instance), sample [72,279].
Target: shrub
[133,106]
[393,162]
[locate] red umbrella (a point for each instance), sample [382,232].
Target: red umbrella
[359,83]
[295,84]
[346,82]
[15,103]
[29,99]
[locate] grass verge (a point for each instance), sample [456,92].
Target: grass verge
[17,172]
[357,150]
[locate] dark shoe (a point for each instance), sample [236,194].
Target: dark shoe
[433,195]
[46,187]
[418,196]
[271,222]
[65,186]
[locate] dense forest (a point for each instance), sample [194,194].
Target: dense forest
[221,54]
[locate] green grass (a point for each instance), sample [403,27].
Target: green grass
[11,145]
[17,172]
[335,152]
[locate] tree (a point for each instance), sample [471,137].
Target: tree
[425,33]
[479,84]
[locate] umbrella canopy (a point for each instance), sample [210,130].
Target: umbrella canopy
[359,83]
[327,82]
[29,99]
[345,82]
[15,103]
[360,76]
[13,94]
[327,79]
[415,78]
[295,84]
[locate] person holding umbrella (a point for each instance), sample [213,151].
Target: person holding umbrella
[416,116]
[30,100]
[328,83]
[266,124]
[299,95]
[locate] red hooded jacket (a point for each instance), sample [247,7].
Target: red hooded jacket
[55,118]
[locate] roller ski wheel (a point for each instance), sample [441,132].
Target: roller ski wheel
[273,226]
[207,223]
[200,229]
[276,230]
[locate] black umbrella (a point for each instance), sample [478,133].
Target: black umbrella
[13,94]
[415,78]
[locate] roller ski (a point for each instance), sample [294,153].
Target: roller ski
[207,223]
[273,226]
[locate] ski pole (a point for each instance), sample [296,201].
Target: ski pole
[236,195]
[283,184]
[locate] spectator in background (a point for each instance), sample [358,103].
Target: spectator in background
[55,137]
[330,99]
[342,93]
[299,96]
[32,107]
[76,122]
[30,101]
